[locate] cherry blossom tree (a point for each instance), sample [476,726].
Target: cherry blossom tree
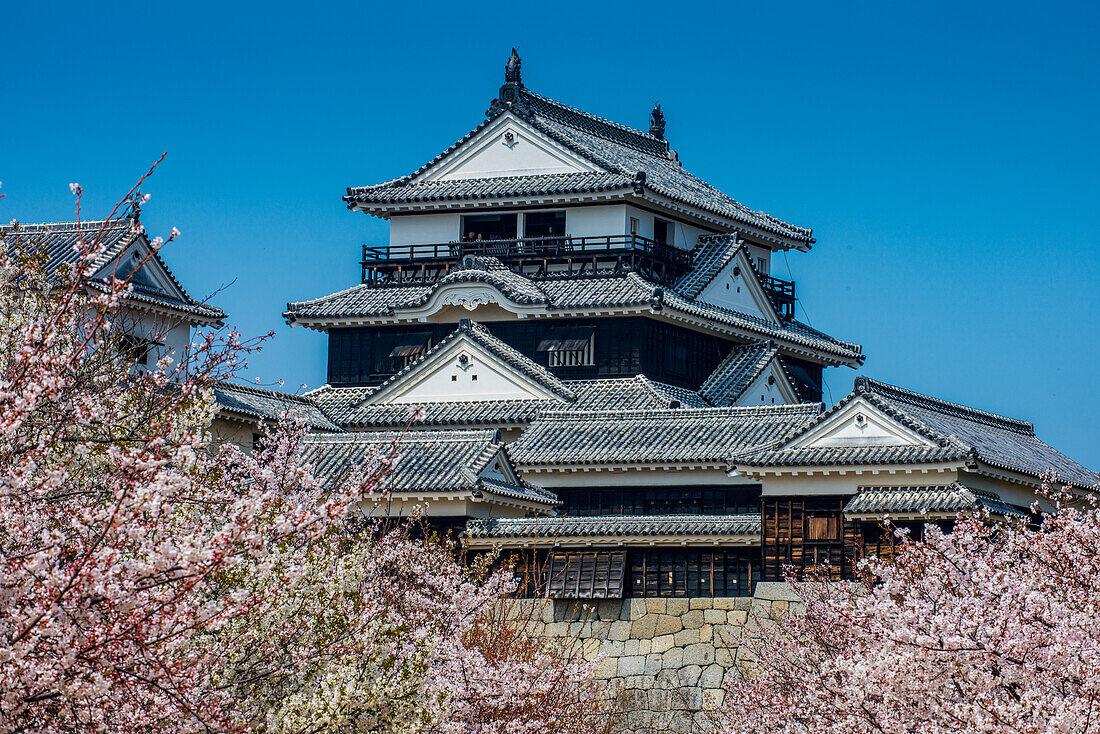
[150,582]
[990,628]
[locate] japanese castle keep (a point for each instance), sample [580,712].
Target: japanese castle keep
[602,366]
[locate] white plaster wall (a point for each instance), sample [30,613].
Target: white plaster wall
[847,483]
[419,229]
[730,291]
[761,253]
[596,221]
[525,156]
[684,235]
[761,393]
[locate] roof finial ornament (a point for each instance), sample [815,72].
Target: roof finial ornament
[657,122]
[511,69]
[510,97]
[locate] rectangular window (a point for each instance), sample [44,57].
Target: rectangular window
[480,227]
[568,346]
[585,575]
[662,231]
[136,349]
[410,346]
[543,224]
[762,265]
[635,226]
[694,572]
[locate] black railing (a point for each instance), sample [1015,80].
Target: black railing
[527,248]
[781,293]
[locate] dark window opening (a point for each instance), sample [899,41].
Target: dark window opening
[568,346]
[135,349]
[543,224]
[662,231]
[409,347]
[478,227]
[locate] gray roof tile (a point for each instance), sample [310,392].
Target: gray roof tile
[57,240]
[933,501]
[259,403]
[426,461]
[686,435]
[619,150]
[957,432]
[624,525]
[736,372]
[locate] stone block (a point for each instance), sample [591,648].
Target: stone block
[706,633]
[631,666]
[653,664]
[737,617]
[631,647]
[663,643]
[712,698]
[724,602]
[714,616]
[689,675]
[644,627]
[775,591]
[796,607]
[656,606]
[727,635]
[609,610]
[725,656]
[677,606]
[644,647]
[618,631]
[668,624]
[674,658]
[685,637]
[692,620]
[701,602]
[699,654]
[633,609]
[712,676]
[606,668]
[743,603]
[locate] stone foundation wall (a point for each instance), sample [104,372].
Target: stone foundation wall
[666,660]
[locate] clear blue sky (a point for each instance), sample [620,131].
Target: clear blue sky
[946,155]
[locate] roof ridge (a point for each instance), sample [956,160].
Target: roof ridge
[263,391]
[716,412]
[620,127]
[886,390]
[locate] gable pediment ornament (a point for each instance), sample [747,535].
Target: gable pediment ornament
[509,98]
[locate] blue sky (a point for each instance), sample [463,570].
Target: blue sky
[945,154]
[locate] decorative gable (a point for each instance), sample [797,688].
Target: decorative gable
[737,288]
[771,387]
[507,146]
[147,275]
[859,424]
[461,371]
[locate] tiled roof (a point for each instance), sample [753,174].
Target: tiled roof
[621,151]
[629,393]
[736,372]
[618,148]
[957,433]
[558,293]
[427,461]
[624,525]
[686,435]
[58,242]
[711,254]
[939,501]
[343,404]
[481,336]
[258,403]
[400,192]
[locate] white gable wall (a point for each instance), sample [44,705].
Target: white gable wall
[737,292]
[760,392]
[508,147]
[446,378]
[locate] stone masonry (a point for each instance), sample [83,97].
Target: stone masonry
[666,660]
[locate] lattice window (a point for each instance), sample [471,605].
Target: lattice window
[569,346]
[586,575]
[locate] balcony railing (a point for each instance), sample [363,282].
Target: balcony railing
[781,294]
[402,262]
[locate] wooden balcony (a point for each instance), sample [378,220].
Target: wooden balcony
[781,294]
[531,256]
